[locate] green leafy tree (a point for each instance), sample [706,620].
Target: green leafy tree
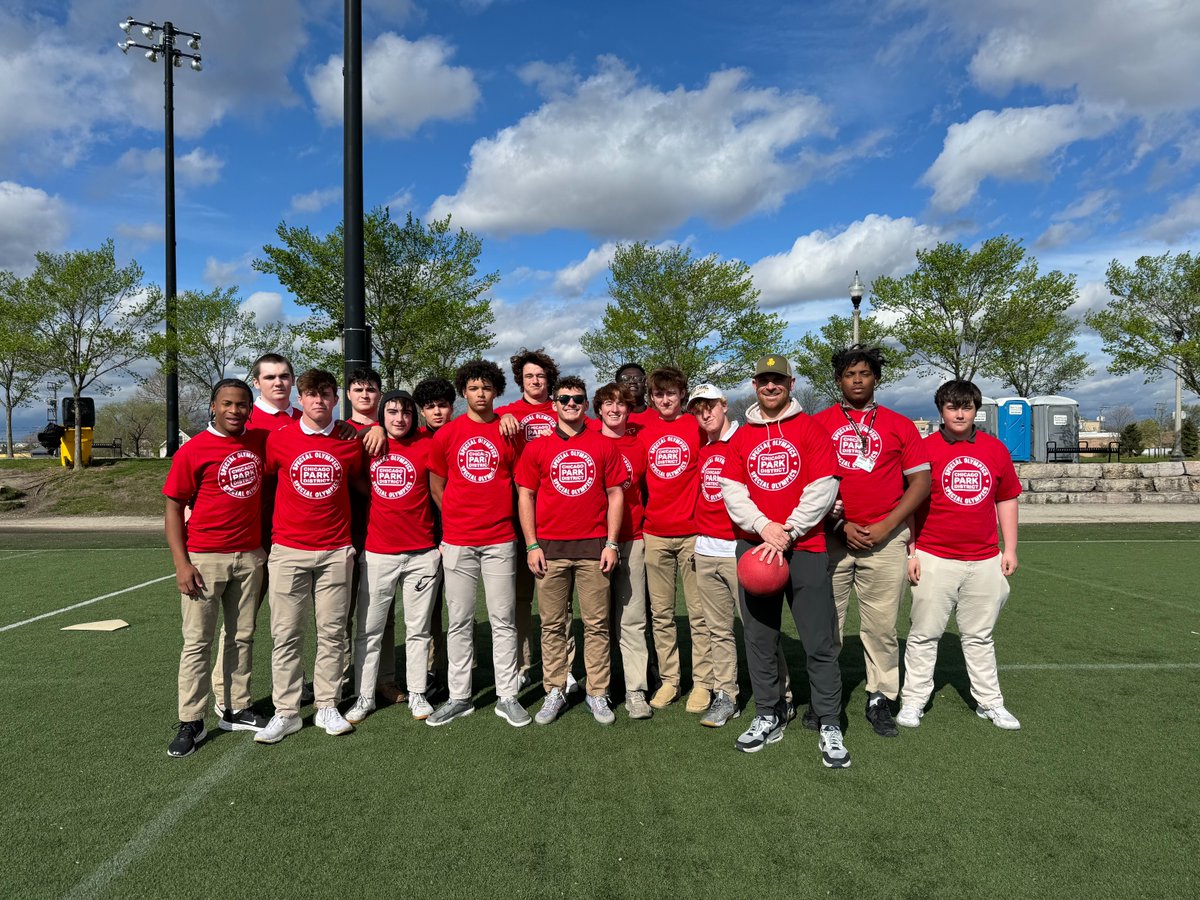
[1038,355]
[962,313]
[22,366]
[88,318]
[1189,438]
[1151,432]
[814,361]
[1131,440]
[1153,302]
[699,315]
[425,300]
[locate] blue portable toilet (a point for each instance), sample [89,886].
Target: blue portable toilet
[1014,426]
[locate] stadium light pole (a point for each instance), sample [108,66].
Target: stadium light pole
[1177,449]
[162,44]
[355,339]
[856,295]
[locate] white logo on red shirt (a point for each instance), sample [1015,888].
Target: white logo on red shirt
[774,464]
[628,473]
[537,424]
[848,446]
[478,460]
[240,474]
[572,472]
[316,474]
[966,481]
[669,456]
[392,476]
[710,478]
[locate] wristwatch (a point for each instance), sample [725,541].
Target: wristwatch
[611,545]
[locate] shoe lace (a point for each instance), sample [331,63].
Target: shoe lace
[762,725]
[832,738]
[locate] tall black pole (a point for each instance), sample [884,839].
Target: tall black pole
[354,327]
[169,167]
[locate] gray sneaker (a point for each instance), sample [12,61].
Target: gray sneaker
[723,709]
[601,711]
[449,711]
[512,712]
[551,707]
[636,705]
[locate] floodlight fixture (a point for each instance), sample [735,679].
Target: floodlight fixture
[126,25]
[152,55]
[178,60]
[124,46]
[194,42]
[196,65]
[148,31]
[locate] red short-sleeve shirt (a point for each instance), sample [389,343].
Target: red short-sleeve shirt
[221,478]
[477,463]
[571,478]
[633,460]
[312,497]
[672,475]
[401,514]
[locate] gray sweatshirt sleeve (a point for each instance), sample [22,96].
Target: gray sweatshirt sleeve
[741,508]
[815,502]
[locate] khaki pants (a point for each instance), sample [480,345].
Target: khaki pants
[554,607]
[878,576]
[462,568]
[629,613]
[386,670]
[417,575]
[717,592]
[306,583]
[231,587]
[975,592]
[666,559]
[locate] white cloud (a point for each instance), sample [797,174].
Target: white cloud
[197,167]
[401,203]
[267,307]
[405,84]
[622,159]
[314,201]
[146,233]
[223,273]
[550,79]
[572,280]
[821,265]
[30,220]
[1012,144]
[1060,234]
[1180,221]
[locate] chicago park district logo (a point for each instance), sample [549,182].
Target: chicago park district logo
[848,446]
[628,473]
[478,460]
[966,481]
[669,456]
[240,474]
[774,464]
[710,478]
[537,425]
[316,474]
[392,476]
[572,472]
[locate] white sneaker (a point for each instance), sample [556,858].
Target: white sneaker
[573,684]
[419,706]
[1000,717]
[910,716]
[277,729]
[332,721]
[362,708]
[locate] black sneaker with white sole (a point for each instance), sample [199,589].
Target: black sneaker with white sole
[762,731]
[879,714]
[189,736]
[242,720]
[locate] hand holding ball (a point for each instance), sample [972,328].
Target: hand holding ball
[762,578]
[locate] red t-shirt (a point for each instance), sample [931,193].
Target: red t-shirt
[958,521]
[672,474]
[401,518]
[633,459]
[712,519]
[271,421]
[312,498]
[477,464]
[221,478]
[536,419]
[776,462]
[571,479]
[893,449]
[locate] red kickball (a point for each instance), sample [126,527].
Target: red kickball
[761,578]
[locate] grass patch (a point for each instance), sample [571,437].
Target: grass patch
[119,487]
[1095,797]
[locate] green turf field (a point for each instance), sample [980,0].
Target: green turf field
[1097,796]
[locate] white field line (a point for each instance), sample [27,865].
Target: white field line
[85,603]
[152,832]
[1119,541]
[17,554]
[100,550]
[1096,586]
[1095,667]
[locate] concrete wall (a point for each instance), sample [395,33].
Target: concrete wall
[1152,482]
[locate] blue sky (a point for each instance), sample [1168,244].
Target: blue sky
[807,139]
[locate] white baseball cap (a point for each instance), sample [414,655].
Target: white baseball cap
[705,392]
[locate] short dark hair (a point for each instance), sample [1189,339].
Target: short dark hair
[230,383]
[855,354]
[539,358]
[958,393]
[365,375]
[628,365]
[479,370]
[612,391]
[667,377]
[433,389]
[574,382]
[314,381]
[273,358]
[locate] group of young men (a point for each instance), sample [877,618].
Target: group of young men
[342,522]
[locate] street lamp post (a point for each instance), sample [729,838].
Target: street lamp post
[1177,449]
[856,295]
[172,58]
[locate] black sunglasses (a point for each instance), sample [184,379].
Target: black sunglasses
[567,399]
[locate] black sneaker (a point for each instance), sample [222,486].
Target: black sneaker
[187,739]
[242,720]
[810,720]
[307,694]
[879,714]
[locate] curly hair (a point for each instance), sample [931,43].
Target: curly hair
[855,354]
[432,389]
[574,382]
[479,370]
[539,358]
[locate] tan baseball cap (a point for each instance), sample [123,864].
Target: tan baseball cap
[705,392]
[773,365]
